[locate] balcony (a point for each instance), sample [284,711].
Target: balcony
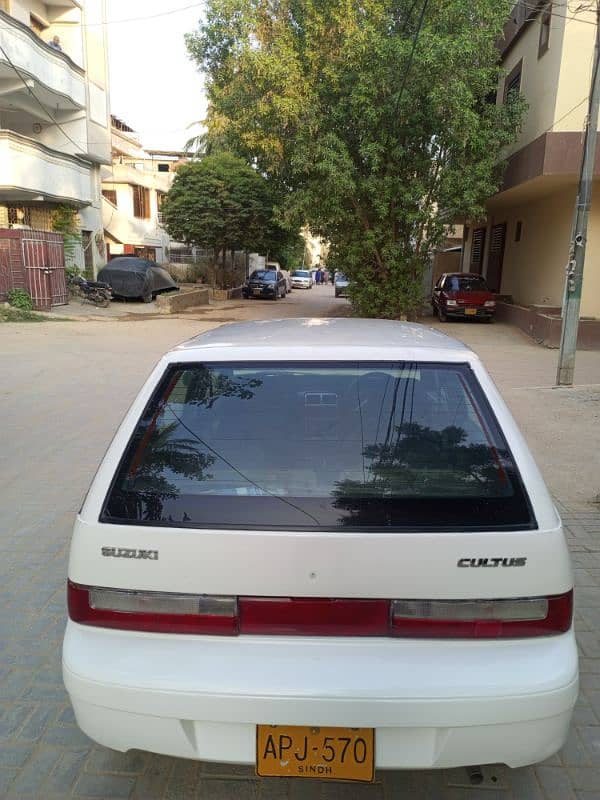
[55,79]
[149,178]
[31,171]
[131,230]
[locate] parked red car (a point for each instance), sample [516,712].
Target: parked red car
[462,294]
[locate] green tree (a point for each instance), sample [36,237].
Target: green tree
[220,202]
[65,220]
[373,118]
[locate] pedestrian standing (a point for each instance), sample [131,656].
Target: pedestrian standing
[55,43]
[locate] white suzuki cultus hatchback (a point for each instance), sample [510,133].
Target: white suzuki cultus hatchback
[322,547]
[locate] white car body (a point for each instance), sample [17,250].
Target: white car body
[302,281]
[432,702]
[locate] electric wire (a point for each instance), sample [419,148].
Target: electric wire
[142,18]
[510,5]
[550,10]
[38,101]
[412,53]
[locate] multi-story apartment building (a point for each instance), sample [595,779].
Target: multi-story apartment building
[133,188]
[54,116]
[523,245]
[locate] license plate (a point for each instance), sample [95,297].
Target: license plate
[471,311]
[346,754]
[256,291]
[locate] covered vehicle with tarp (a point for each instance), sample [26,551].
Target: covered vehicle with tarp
[136,277]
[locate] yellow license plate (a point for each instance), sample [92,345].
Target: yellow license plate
[471,311]
[346,754]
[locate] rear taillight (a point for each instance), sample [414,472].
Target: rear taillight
[482,619]
[156,612]
[162,612]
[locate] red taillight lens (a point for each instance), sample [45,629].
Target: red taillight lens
[159,612]
[482,619]
[155,612]
[314,616]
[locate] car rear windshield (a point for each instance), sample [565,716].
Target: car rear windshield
[300,273]
[471,284]
[264,275]
[386,446]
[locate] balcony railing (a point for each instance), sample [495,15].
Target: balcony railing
[36,60]
[41,172]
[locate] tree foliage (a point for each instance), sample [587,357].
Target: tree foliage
[372,116]
[221,202]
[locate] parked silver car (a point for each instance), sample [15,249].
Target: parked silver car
[302,279]
[340,283]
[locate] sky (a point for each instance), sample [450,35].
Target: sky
[154,87]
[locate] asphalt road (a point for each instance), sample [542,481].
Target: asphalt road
[65,388]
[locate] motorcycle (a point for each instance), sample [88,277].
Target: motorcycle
[96,292]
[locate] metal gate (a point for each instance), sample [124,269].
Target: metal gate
[44,260]
[34,260]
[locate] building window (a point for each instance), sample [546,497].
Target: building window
[163,167]
[141,202]
[19,216]
[545,30]
[518,231]
[477,248]
[160,199]
[513,80]
[111,195]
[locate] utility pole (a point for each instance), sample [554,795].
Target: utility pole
[574,277]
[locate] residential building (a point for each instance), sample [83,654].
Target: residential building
[133,188]
[54,117]
[522,247]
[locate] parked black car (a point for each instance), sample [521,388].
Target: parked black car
[132,277]
[267,283]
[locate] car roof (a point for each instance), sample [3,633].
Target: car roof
[323,339]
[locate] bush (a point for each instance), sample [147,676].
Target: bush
[72,272]
[19,298]
[187,273]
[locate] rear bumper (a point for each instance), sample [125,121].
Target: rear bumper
[433,704]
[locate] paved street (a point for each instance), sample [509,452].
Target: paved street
[66,386]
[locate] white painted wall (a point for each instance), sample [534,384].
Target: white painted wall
[24,164]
